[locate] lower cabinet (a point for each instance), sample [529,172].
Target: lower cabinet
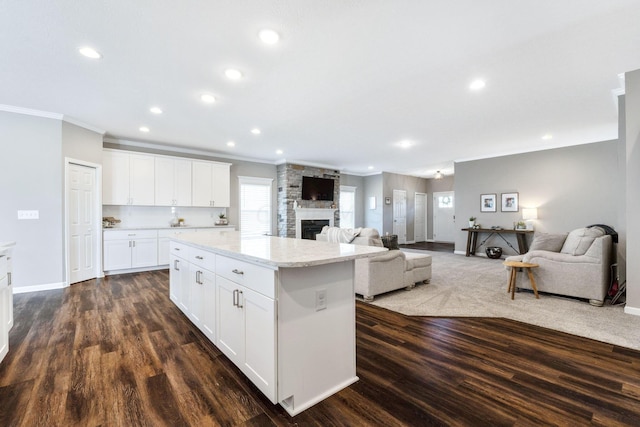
[125,249]
[246,328]
[202,312]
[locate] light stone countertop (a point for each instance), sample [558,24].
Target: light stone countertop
[7,244]
[167,227]
[276,251]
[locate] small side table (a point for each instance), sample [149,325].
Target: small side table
[514,265]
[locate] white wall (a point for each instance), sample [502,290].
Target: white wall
[632,119]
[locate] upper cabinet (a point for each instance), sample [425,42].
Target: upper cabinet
[153,180]
[128,178]
[211,184]
[173,181]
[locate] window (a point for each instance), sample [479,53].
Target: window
[347,206]
[255,206]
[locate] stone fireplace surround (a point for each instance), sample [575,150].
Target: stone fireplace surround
[290,192]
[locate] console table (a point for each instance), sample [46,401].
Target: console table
[472,238]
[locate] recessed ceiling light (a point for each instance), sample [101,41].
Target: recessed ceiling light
[547,136]
[155,110]
[232,73]
[370,168]
[269,36]
[231,144]
[279,151]
[477,84]
[209,99]
[90,52]
[405,144]
[255,131]
[144,129]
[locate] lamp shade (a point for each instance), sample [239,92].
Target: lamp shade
[530,213]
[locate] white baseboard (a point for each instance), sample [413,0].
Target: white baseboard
[460,252]
[136,270]
[36,288]
[632,310]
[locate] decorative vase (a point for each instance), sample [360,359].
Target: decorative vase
[472,224]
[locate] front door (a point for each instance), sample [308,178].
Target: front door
[82,223]
[400,215]
[443,216]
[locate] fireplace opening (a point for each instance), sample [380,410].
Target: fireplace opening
[310,227]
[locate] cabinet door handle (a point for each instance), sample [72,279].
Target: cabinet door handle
[198,274]
[176,249]
[235,297]
[175,265]
[9,276]
[134,243]
[199,257]
[236,271]
[129,243]
[131,234]
[239,296]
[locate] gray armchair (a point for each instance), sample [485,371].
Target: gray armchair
[580,267]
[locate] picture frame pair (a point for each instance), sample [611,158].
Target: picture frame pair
[508,202]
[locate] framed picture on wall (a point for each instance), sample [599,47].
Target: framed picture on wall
[488,202]
[509,202]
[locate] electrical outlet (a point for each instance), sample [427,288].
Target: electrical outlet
[321,299]
[28,214]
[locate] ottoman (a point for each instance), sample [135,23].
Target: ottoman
[417,268]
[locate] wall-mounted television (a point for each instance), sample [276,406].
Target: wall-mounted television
[317,188]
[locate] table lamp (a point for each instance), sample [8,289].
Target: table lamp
[528,215]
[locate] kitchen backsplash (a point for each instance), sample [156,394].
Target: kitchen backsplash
[160,216]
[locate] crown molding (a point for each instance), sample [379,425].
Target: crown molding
[30,112]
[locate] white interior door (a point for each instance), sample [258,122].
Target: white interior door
[444,216]
[420,222]
[400,215]
[82,222]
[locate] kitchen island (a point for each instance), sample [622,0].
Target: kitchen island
[283,310]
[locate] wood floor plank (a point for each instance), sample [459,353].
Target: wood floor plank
[118,352]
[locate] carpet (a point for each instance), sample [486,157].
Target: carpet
[477,287]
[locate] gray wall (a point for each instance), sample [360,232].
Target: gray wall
[411,185]
[81,144]
[31,178]
[358,182]
[632,103]
[572,187]
[373,188]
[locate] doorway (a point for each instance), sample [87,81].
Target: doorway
[83,218]
[400,215]
[444,216]
[420,222]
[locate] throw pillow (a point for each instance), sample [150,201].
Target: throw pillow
[548,242]
[580,240]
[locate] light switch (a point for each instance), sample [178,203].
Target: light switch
[28,214]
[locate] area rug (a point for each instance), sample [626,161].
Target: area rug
[477,287]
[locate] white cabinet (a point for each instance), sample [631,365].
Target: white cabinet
[211,184]
[128,179]
[125,249]
[172,181]
[179,277]
[247,320]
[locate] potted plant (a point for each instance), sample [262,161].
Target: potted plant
[521,225]
[472,221]
[222,219]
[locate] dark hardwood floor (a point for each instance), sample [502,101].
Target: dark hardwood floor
[117,352]
[430,246]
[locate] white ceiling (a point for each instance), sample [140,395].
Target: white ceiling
[347,82]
